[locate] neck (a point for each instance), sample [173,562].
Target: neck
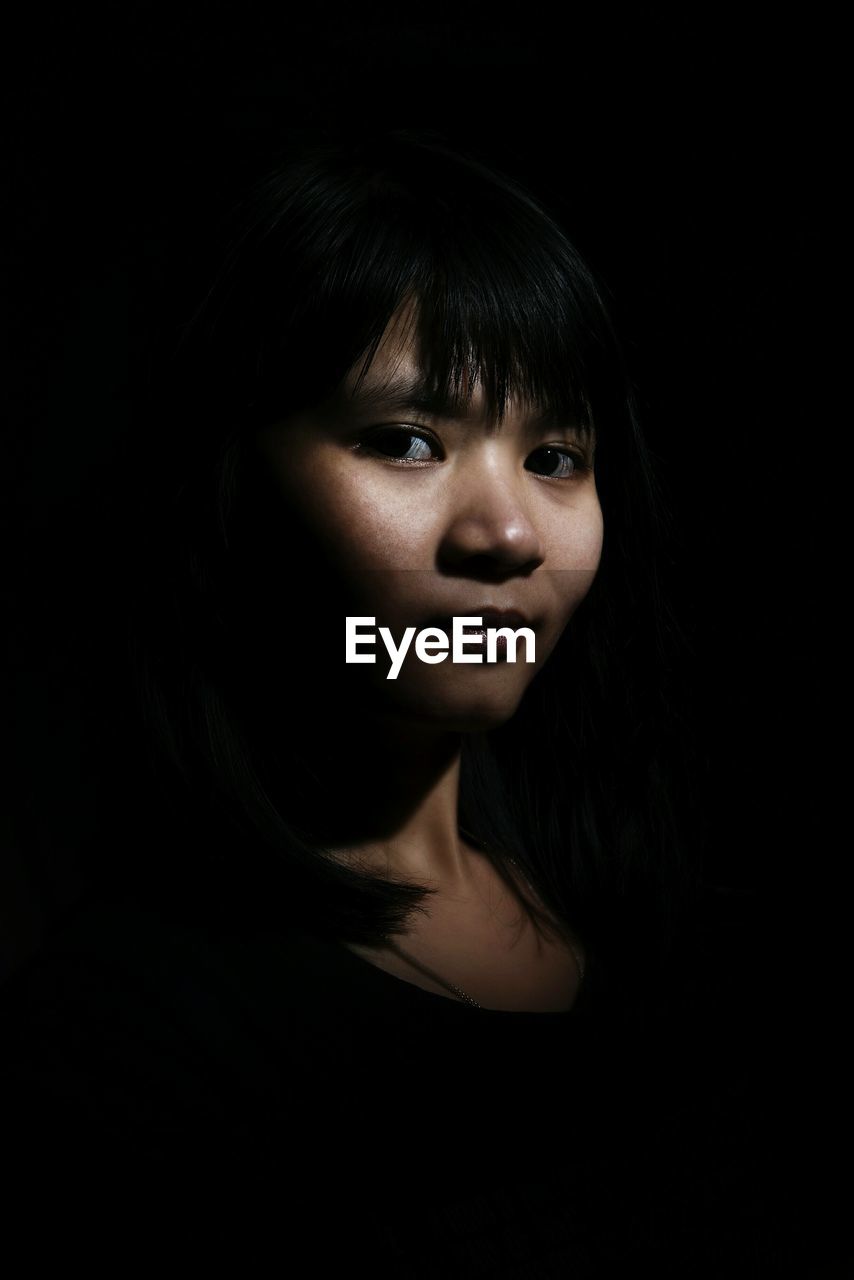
[388,795]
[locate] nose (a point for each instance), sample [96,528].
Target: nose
[489,529]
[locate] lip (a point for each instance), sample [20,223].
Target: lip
[490,616]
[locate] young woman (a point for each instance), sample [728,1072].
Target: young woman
[389,959]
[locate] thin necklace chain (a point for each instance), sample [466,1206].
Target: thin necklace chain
[451,986]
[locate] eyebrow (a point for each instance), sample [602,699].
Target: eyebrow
[415,395]
[407,394]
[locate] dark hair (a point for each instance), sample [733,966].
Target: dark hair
[579,785]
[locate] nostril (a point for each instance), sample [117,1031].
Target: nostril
[493,540]
[488,568]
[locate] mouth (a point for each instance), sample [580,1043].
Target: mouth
[491,619]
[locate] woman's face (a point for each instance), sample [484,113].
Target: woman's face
[419,512]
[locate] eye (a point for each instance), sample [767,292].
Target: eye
[554,463]
[401,444]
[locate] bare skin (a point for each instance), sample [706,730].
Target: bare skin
[479,937]
[459,514]
[474,932]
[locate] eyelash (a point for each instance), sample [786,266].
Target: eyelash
[580,463]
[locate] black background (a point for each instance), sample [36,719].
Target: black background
[692,158]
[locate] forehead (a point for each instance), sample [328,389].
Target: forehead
[398,357]
[397,376]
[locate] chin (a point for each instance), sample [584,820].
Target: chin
[472,708]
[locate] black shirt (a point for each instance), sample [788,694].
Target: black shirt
[217,1092]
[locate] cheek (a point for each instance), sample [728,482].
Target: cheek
[375,533]
[576,543]
[369,527]
[573,565]
[342,516]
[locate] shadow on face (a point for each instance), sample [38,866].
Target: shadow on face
[396,504]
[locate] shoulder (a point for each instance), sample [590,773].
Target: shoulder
[146,1060]
[99,1003]
[122,975]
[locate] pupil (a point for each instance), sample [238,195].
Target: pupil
[396,444]
[552,460]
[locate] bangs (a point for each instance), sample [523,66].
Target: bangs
[462,344]
[493,291]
